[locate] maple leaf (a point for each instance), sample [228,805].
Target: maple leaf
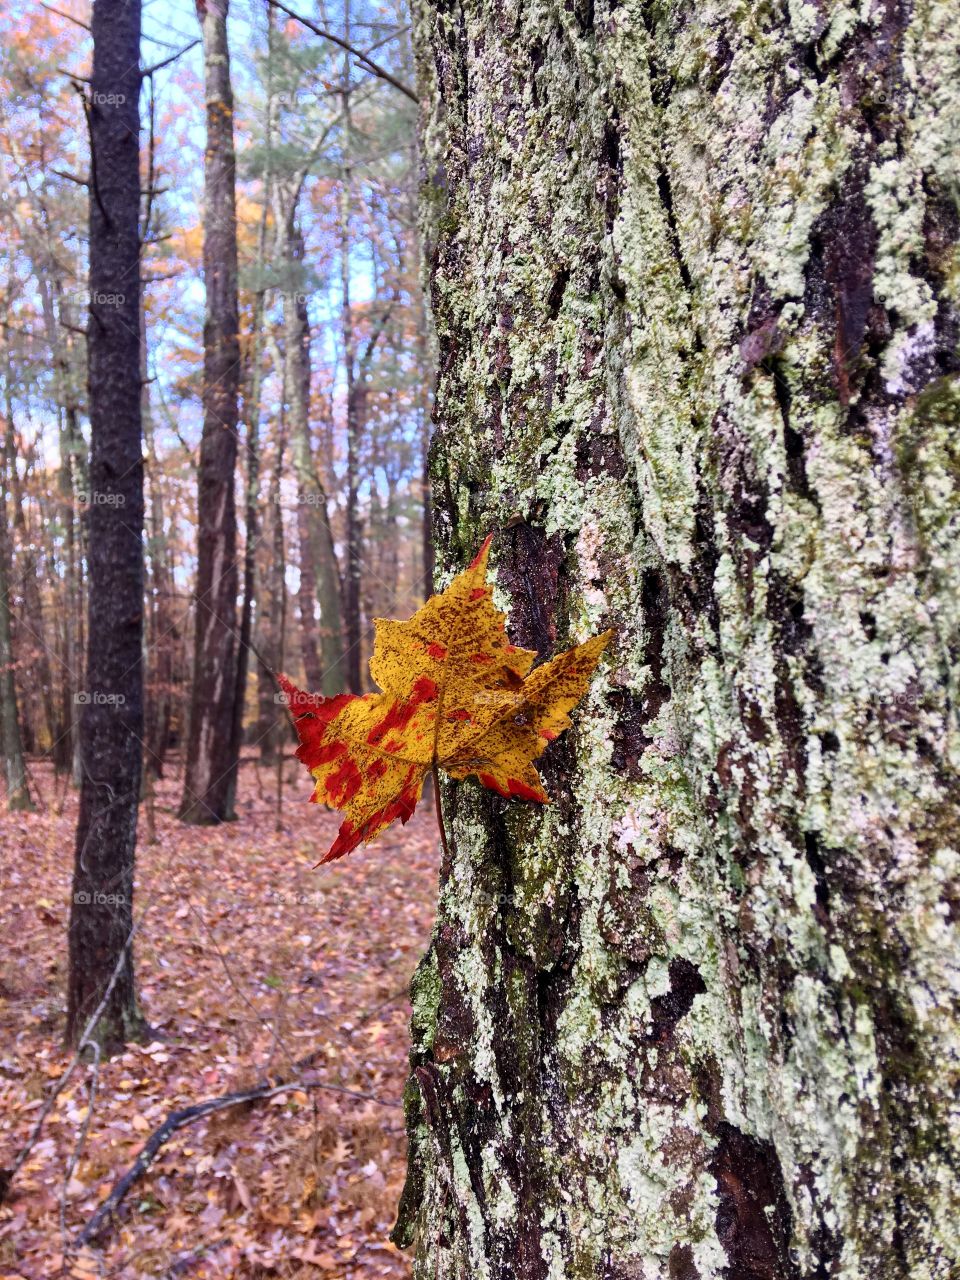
[456,695]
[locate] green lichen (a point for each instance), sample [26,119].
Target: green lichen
[646,234]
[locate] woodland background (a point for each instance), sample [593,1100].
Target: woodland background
[694,280]
[251,973]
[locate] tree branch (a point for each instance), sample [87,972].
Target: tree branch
[60,14]
[70,177]
[8,1175]
[190,1115]
[158,66]
[369,63]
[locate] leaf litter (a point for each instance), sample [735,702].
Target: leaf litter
[248,963]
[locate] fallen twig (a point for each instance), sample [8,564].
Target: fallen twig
[190,1115]
[7,1175]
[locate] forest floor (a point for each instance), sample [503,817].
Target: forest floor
[248,962]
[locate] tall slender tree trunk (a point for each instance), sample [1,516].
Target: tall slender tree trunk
[32,631]
[65,740]
[272,721]
[352,625]
[424,399]
[163,633]
[15,772]
[111,721]
[694,276]
[253,377]
[322,646]
[211,748]
[71,442]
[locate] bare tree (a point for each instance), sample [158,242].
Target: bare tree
[111,721]
[212,742]
[15,773]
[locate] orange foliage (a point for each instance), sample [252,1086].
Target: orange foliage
[456,694]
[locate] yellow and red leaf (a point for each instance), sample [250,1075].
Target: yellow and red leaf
[456,695]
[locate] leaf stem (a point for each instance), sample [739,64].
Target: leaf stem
[439,808]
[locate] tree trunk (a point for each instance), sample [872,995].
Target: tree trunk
[111,721]
[31,632]
[352,627]
[322,646]
[66,747]
[211,745]
[272,721]
[695,289]
[253,373]
[163,632]
[352,633]
[425,364]
[14,769]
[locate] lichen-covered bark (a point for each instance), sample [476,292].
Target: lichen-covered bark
[695,276]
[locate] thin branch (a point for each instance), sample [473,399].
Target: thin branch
[60,14]
[369,63]
[8,1175]
[271,1027]
[93,155]
[158,66]
[151,158]
[157,279]
[375,336]
[71,177]
[391,35]
[190,1115]
[82,1136]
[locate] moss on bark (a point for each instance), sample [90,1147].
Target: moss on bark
[695,272]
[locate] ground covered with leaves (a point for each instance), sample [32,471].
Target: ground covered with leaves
[254,970]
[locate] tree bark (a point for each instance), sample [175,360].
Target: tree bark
[352,625]
[252,382]
[424,399]
[14,769]
[321,646]
[353,556]
[694,281]
[163,632]
[211,745]
[273,725]
[30,634]
[111,721]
